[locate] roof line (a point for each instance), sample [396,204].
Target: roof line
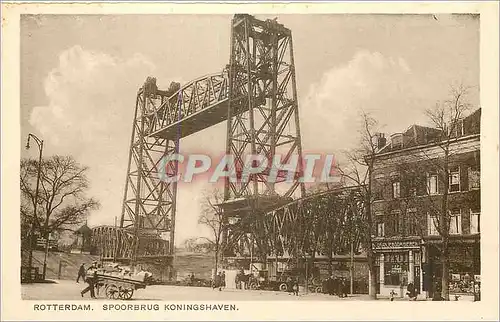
[463,138]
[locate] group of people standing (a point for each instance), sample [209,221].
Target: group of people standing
[219,281]
[293,285]
[336,286]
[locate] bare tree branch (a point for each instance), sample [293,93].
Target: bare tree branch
[61,200]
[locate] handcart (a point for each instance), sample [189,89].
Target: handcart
[118,288]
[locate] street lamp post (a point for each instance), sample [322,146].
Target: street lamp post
[32,230]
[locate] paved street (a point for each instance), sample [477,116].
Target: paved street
[70,290]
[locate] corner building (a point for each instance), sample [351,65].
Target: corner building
[407,188]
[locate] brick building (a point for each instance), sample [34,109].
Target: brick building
[408,186]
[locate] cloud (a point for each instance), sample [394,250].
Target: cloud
[371,82]
[89,115]
[91,97]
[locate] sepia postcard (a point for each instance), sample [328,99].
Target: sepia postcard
[329,161]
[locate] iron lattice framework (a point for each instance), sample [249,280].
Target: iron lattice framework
[256,93]
[162,118]
[263,107]
[113,243]
[263,120]
[323,222]
[193,107]
[149,202]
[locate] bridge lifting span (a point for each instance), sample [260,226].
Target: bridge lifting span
[256,94]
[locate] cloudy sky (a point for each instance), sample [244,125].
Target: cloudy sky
[80,74]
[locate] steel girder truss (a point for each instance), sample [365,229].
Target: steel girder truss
[117,244]
[263,107]
[149,201]
[161,120]
[113,243]
[322,223]
[171,118]
[256,94]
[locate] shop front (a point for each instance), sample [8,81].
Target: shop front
[398,264]
[464,268]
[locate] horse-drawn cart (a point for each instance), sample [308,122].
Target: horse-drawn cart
[118,288]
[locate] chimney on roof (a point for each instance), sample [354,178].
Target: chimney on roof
[379,140]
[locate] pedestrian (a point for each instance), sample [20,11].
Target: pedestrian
[392,294]
[411,292]
[334,286]
[92,267]
[191,279]
[237,280]
[340,288]
[329,285]
[223,279]
[295,287]
[289,285]
[91,280]
[242,278]
[216,281]
[81,273]
[219,281]
[345,287]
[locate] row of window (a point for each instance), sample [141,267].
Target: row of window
[432,184]
[455,227]
[396,225]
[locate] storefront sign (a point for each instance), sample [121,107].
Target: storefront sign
[397,244]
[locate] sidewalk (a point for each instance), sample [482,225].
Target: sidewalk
[366,297]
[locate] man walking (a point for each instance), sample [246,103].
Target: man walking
[81,273]
[91,280]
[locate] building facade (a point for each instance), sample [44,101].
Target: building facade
[408,188]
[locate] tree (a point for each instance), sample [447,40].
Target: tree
[62,203]
[26,220]
[358,169]
[446,117]
[197,245]
[212,216]
[190,244]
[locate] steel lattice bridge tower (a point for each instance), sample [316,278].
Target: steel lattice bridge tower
[256,95]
